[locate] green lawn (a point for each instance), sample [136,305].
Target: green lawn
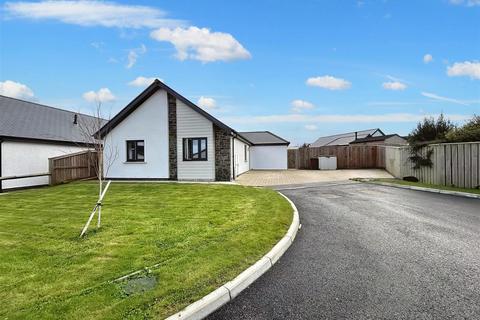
[196,236]
[426,185]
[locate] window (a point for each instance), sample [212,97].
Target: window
[135,150]
[245,152]
[195,149]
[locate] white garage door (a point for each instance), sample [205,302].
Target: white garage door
[268,157]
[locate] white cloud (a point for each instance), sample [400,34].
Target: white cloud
[92,13]
[133,55]
[467,69]
[446,99]
[300,105]
[207,103]
[132,58]
[311,127]
[202,44]
[16,90]
[427,58]
[469,3]
[394,85]
[142,81]
[328,82]
[102,95]
[338,118]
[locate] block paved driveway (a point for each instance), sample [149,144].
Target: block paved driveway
[292,176]
[372,252]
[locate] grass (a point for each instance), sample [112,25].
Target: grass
[197,236]
[427,185]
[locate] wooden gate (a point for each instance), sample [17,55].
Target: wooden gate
[75,166]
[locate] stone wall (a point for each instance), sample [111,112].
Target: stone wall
[222,154]
[172,136]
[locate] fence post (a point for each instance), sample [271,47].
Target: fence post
[51,170]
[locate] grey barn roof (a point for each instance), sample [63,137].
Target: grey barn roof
[21,119]
[263,138]
[344,138]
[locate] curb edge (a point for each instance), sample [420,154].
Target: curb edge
[432,190]
[228,291]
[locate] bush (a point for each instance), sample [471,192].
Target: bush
[427,131]
[467,133]
[431,130]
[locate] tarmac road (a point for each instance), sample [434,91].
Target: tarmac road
[372,252]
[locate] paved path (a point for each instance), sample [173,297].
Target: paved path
[291,176]
[372,252]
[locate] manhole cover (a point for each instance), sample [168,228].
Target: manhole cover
[139,285]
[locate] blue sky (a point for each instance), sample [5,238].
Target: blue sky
[301,69]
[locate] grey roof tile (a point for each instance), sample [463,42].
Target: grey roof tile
[263,137]
[24,119]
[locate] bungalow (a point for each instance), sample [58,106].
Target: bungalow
[30,134]
[162,135]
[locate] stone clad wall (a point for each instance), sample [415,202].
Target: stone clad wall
[222,154]
[172,137]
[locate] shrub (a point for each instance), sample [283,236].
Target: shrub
[466,133]
[427,131]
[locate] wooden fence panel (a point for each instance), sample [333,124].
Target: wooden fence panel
[455,164]
[348,157]
[291,158]
[475,172]
[75,166]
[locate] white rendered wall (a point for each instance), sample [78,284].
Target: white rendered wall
[240,164]
[191,124]
[268,157]
[21,158]
[149,122]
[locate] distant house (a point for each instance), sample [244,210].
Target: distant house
[389,139]
[30,133]
[161,135]
[345,139]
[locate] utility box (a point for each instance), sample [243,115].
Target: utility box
[327,163]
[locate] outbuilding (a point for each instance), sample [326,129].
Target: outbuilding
[267,151]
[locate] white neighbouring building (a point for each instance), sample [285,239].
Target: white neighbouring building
[161,135]
[30,134]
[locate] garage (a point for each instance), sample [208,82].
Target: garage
[267,151]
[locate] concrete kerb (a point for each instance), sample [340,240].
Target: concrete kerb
[227,292]
[452,193]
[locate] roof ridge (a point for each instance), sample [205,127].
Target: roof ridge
[145,95]
[47,106]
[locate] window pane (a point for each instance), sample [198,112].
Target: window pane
[130,150]
[195,148]
[131,153]
[140,150]
[186,152]
[203,149]
[136,150]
